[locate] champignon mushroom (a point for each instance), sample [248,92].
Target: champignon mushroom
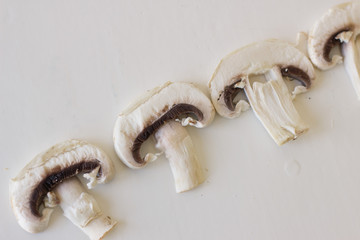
[48,180]
[156,113]
[339,25]
[271,101]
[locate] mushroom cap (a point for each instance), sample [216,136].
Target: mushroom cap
[47,170]
[171,101]
[253,59]
[322,37]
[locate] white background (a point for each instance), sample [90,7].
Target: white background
[67,68]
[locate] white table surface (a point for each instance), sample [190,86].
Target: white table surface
[67,68]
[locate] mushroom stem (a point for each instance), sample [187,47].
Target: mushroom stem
[82,209]
[351,62]
[173,139]
[272,104]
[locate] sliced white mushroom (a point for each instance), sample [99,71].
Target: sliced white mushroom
[39,187]
[150,114]
[339,25]
[271,101]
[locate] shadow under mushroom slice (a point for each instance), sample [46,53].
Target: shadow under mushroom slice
[163,112]
[49,179]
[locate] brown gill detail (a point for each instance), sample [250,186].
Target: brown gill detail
[229,94]
[332,42]
[176,111]
[55,178]
[296,73]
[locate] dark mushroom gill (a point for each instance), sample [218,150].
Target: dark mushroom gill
[292,72]
[230,93]
[176,111]
[55,178]
[296,73]
[331,43]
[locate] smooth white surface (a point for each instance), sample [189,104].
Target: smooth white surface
[68,67]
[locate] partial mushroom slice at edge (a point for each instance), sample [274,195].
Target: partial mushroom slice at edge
[271,101]
[150,114]
[339,25]
[352,63]
[34,185]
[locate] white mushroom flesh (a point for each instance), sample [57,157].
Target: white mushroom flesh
[352,63]
[173,139]
[272,104]
[302,43]
[271,101]
[37,179]
[340,24]
[82,209]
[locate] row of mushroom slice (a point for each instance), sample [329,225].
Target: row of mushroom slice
[50,178]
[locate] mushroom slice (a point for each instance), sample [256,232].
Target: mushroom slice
[339,25]
[151,114]
[271,101]
[39,183]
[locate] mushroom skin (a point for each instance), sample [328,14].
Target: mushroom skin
[170,102]
[271,101]
[35,183]
[340,25]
